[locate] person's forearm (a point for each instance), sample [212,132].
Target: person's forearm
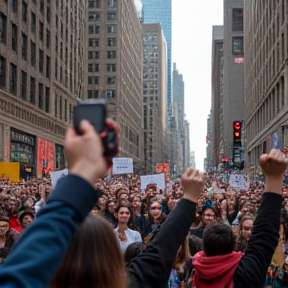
[40,249]
[161,252]
[253,267]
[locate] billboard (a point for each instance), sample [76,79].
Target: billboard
[45,156]
[164,168]
[11,170]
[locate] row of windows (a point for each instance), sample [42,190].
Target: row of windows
[269,109]
[14,4]
[59,104]
[91,94]
[94,67]
[94,16]
[94,80]
[95,29]
[94,42]
[97,3]
[43,93]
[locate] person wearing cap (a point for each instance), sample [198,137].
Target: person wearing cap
[26,217]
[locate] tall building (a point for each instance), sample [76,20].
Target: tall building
[115,64]
[160,11]
[186,145]
[217,94]
[233,74]
[42,60]
[266,77]
[192,160]
[178,97]
[154,96]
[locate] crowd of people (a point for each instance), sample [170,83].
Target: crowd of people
[149,232]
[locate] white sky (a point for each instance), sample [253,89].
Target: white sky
[192,22]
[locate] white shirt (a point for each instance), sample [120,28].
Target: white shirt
[132,236]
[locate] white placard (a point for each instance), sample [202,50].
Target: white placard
[239,181]
[56,175]
[122,166]
[158,179]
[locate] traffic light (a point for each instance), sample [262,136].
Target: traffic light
[237,129]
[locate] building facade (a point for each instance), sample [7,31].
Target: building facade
[178,97]
[233,75]
[266,56]
[217,95]
[186,145]
[42,62]
[115,64]
[154,96]
[160,11]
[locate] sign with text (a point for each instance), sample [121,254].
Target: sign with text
[56,176]
[239,181]
[122,166]
[158,179]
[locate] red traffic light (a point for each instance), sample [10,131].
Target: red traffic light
[237,125]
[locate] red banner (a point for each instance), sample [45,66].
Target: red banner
[45,157]
[164,168]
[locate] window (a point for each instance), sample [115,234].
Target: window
[14,5]
[65,110]
[111,80]
[48,38]
[24,11]
[94,3]
[110,93]
[111,28]
[93,54]
[24,46]
[41,60]
[56,105]
[47,100]
[93,29]
[237,21]
[94,16]
[3,32]
[93,42]
[33,54]
[23,85]
[33,22]
[41,30]
[48,15]
[238,47]
[41,96]
[32,90]
[111,41]
[92,94]
[14,38]
[111,16]
[41,6]
[2,72]
[61,107]
[93,67]
[93,80]
[111,3]
[111,54]
[48,65]
[13,79]
[111,67]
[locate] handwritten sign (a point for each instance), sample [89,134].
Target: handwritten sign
[239,181]
[56,176]
[122,166]
[158,179]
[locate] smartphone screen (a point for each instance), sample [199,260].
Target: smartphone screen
[95,113]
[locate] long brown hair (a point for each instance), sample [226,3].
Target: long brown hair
[94,258]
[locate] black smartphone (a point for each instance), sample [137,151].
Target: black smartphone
[93,110]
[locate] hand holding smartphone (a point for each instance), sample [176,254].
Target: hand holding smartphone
[95,111]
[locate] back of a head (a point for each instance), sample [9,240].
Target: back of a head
[132,251]
[94,258]
[218,240]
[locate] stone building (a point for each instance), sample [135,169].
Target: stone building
[42,61]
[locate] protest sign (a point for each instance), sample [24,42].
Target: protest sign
[239,181]
[56,175]
[122,166]
[158,179]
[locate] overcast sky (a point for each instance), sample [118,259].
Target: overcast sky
[192,22]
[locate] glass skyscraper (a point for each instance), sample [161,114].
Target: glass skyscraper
[160,11]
